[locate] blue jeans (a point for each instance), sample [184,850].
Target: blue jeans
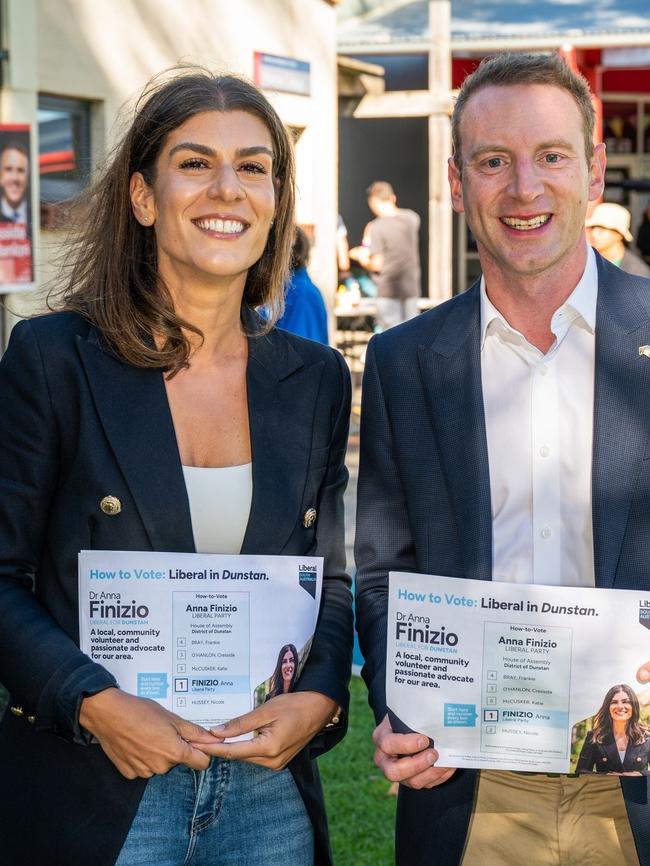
[232,814]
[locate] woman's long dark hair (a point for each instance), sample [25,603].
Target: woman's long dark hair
[111,273]
[277,683]
[602,729]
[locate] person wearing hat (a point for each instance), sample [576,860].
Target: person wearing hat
[643,236]
[609,231]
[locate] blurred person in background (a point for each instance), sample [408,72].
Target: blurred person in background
[608,231]
[643,235]
[342,249]
[390,251]
[304,308]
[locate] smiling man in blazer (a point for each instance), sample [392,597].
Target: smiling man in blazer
[505,437]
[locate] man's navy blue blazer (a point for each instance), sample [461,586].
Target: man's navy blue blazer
[424,500]
[76,424]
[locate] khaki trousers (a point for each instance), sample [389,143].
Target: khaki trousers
[537,820]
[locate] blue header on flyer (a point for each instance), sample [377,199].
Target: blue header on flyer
[488,602]
[175,574]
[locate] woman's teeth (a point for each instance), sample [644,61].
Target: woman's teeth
[227,227]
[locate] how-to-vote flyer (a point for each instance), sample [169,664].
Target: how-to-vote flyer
[520,677]
[207,636]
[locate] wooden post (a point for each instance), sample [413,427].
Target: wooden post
[440,213]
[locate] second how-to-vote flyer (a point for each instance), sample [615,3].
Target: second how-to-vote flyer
[207,636]
[509,676]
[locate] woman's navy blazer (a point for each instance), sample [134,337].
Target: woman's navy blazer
[76,424]
[604,757]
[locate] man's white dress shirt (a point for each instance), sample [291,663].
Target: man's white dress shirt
[539,424]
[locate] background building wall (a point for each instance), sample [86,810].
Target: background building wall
[105,51]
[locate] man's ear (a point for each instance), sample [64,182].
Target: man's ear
[597,172]
[142,199]
[455,185]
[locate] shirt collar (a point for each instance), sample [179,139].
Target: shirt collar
[580,303]
[11,212]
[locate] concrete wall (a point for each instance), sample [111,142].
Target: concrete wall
[106,50]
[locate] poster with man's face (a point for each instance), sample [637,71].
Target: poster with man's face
[16,263]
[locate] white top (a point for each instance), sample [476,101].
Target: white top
[220,503]
[539,424]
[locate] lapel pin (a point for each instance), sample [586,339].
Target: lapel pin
[644,350]
[309,518]
[110,505]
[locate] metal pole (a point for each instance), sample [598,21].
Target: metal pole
[440,226]
[3,324]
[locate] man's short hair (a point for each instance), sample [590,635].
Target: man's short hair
[14,145]
[508,69]
[380,189]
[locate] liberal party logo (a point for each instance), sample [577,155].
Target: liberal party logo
[307,578]
[644,613]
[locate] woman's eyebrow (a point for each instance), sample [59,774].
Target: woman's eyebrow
[204,150]
[255,150]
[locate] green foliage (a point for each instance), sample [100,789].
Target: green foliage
[578,736]
[361,812]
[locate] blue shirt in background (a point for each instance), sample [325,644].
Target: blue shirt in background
[304,308]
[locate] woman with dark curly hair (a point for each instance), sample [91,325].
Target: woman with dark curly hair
[619,742]
[155,410]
